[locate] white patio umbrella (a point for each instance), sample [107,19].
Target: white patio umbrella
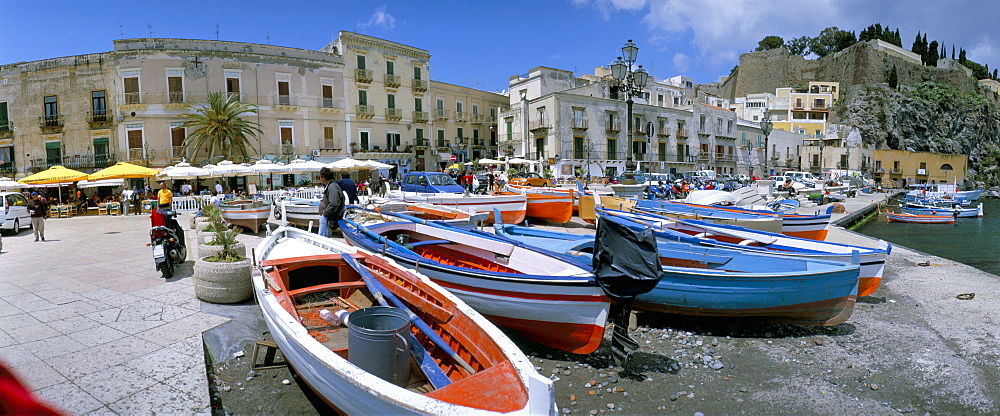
[266,167]
[102,182]
[227,168]
[490,162]
[519,161]
[303,166]
[183,170]
[377,165]
[8,183]
[347,164]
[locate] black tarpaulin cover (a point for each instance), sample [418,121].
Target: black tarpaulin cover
[625,261]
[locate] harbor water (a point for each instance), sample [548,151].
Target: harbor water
[971,241]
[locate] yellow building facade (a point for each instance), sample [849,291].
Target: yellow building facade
[899,168]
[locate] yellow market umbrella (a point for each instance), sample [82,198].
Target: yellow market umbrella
[55,174]
[123,170]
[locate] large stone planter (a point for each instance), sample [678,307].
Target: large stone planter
[198,220]
[208,250]
[219,282]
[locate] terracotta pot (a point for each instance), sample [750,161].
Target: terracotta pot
[219,282]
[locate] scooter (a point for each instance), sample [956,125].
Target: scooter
[167,239]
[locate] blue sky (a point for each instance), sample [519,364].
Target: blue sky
[481,44]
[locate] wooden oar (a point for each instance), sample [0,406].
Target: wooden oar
[377,286]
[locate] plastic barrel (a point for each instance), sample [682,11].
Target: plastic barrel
[378,342]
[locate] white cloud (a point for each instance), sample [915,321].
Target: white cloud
[984,51]
[682,62]
[607,7]
[381,18]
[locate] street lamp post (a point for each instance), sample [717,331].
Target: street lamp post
[765,127]
[631,83]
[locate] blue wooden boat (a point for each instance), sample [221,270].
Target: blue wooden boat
[957,212]
[546,297]
[709,281]
[936,201]
[805,226]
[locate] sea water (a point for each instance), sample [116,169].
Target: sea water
[971,241]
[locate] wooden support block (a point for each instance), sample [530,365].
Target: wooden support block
[269,353]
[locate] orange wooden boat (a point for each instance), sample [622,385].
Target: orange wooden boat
[452,216]
[459,363]
[556,207]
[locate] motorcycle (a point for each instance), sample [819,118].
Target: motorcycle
[167,240]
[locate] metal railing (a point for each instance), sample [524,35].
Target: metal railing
[581,124]
[539,125]
[176,97]
[178,152]
[364,110]
[683,133]
[422,142]
[87,161]
[132,98]
[51,120]
[420,116]
[461,116]
[419,85]
[441,114]
[329,144]
[6,126]
[329,102]
[663,132]
[612,126]
[391,80]
[284,99]
[393,113]
[99,117]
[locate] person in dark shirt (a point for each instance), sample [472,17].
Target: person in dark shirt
[38,206]
[347,185]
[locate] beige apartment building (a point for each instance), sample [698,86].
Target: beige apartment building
[899,168]
[359,96]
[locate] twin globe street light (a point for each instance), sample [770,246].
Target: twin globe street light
[765,127]
[631,83]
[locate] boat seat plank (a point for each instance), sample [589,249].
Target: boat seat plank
[324,287]
[459,259]
[420,303]
[428,242]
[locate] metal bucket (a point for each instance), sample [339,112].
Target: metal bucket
[378,342]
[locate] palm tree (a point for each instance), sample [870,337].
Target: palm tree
[219,128]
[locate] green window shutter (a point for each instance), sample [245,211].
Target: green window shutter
[53,145]
[390,68]
[4,126]
[361,62]
[101,141]
[416,72]
[362,97]
[391,100]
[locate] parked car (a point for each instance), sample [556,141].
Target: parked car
[15,210]
[431,182]
[804,177]
[530,179]
[665,178]
[700,174]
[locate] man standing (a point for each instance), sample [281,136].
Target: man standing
[218,188]
[376,185]
[38,207]
[164,198]
[331,207]
[347,185]
[126,200]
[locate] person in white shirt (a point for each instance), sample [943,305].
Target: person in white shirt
[126,200]
[186,189]
[218,187]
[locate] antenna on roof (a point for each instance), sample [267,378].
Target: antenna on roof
[268,37]
[150,29]
[121,30]
[216,31]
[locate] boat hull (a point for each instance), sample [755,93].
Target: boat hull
[552,208]
[955,212]
[302,215]
[920,219]
[247,215]
[513,208]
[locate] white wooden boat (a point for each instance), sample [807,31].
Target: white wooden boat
[297,211]
[513,208]
[452,216]
[247,213]
[461,363]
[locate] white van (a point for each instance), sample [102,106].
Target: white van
[14,207]
[700,174]
[804,177]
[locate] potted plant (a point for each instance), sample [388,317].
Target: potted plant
[222,270]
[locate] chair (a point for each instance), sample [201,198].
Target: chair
[53,211]
[102,209]
[64,211]
[115,208]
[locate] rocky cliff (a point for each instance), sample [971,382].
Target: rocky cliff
[927,117]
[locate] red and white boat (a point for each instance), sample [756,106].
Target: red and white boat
[459,363]
[449,215]
[247,213]
[513,208]
[556,207]
[550,300]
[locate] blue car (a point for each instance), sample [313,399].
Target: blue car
[430,182]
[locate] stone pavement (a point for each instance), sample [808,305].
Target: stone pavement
[87,323]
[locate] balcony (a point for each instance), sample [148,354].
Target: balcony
[364,111]
[176,97]
[284,102]
[441,114]
[461,117]
[612,126]
[393,114]
[420,117]
[538,125]
[419,85]
[639,130]
[683,133]
[461,141]
[6,129]
[8,168]
[234,95]
[478,143]
[444,145]
[895,171]
[663,132]
[178,153]
[421,142]
[99,120]
[704,157]
[51,123]
[331,105]
[581,124]
[130,98]
[363,75]
[87,161]
[725,157]
[392,81]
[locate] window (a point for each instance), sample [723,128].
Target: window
[440,104]
[177,136]
[392,141]
[233,87]
[701,123]
[175,89]
[729,127]
[418,104]
[798,103]
[133,135]
[539,148]
[612,149]
[53,153]
[284,98]
[390,67]
[441,142]
[98,106]
[390,100]
[362,97]
[363,137]
[420,137]
[458,106]
[946,166]
[328,96]
[681,153]
[677,101]
[475,109]
[328,138]
[577,117]
[510,130]
[461,136]
[659,100]
[131,90]
[416,72]
[101,150]
[51,110]
[819,103]
[7,159]
[661,150]
[578,148]
[361,62]
[286,133]
[4,120]
[923,165]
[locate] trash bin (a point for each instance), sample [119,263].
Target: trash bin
[378,341]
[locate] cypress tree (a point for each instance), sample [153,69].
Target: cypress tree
[961,55]
[932,54]
[898,41]
[893,77]
[917,47]
[924,47]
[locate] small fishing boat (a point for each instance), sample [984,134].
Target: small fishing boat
[448,215]
[512,207]
[796,225]
[555,207]
[247,213]
[871,260]
[297,211]
[957,212]
[944,191]
[920,219]
[708,281]
[705,213]
[454,360]
[548,299]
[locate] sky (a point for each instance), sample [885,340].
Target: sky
[481,44]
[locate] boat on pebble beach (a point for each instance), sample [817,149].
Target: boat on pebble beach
[453,360]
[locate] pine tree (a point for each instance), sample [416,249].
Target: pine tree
[994,73]
[944,52]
